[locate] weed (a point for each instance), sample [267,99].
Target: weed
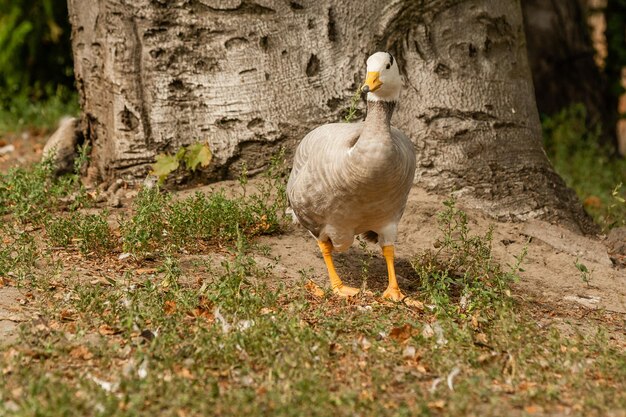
[615,214]
[585,273]
[18,251]
[462,276]
[89,232]
[204,219]
[143,232]
[30,194]
[171,272]
[352,110]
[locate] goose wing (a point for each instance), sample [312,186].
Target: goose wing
[317,156]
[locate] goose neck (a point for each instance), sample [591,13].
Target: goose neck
[379,113]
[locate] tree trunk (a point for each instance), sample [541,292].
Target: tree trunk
[562,63]
[250,75]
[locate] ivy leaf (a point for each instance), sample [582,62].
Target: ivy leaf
[197,154]
[164,166]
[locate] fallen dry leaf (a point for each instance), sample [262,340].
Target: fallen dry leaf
[184,373]
[265,311]
[439,404]
[106,330]
[169,307]
[533,409]
[142,271]
[475,321]
[81,352]
[592,201]
[411,302]
[201,312]
[525,385]
[314,289]
[402,333]
[68,315]
[481,338]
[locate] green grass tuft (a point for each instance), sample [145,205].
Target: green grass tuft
[89,232]
[462,276]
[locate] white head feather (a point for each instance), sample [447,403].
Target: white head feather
[385,64]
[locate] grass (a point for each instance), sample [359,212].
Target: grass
[228,339]
[193,325]
[598,178]
[462,278]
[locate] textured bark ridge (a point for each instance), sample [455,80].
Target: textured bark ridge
[250,75]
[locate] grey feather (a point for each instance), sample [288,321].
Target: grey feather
[353,178]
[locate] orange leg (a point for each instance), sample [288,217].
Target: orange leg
[393,290]
[335,281]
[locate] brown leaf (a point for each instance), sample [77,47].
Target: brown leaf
[201,312]
[439,404]
[475,321]
[592,201]
[81,352]
[402,333]
[170,307]
[184,373]
[142,271]
[106,330]
[17,392]
[366,395]
[205,303]
[533,409]
[314,289]
[265,311]
[68,315]
[526,385]
[481,338]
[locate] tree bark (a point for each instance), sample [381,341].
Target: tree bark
[561,57]
[248,76]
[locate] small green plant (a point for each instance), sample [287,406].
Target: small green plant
[171,272]
[270,202]
[89,232]
[18,251]
[616,210]
[144,231]
[201,220]
[585,273]
[29,194]
[352,110]
[462,276]
[192,156]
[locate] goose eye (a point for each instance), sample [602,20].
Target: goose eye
[388,66]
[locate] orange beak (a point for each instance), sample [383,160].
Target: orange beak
[372,82]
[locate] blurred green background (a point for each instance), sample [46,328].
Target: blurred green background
[37,82]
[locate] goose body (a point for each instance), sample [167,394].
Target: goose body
[347,180]
[354,178]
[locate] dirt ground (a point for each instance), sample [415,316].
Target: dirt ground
[551,284]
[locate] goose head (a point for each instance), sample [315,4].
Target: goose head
[383,82]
